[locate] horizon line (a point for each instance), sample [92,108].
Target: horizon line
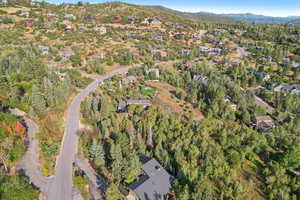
[176,9]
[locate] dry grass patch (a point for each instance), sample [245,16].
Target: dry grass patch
[166,99]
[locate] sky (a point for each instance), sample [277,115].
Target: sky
[266,7]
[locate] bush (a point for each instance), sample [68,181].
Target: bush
[16,187]
[76,60]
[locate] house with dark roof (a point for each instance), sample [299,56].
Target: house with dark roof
[154,183]
[123,104]
[291,89]
[154,22]
[88,18]
[202,79]
[157,37]
[264,123]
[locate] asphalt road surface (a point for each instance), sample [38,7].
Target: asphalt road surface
[61,187]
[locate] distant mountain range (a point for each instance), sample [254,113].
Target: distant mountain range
[232,18]
[295,22]
[197,16]
[258,19]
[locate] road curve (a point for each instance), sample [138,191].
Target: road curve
[61,187]
[30,161]
[29,165]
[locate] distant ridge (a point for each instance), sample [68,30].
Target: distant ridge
[295,22]
[197,16]
[253,18]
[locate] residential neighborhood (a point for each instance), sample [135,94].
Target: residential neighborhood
[114,101]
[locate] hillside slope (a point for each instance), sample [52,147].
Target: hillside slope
[111,10]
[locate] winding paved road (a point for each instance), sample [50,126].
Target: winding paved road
[61,187]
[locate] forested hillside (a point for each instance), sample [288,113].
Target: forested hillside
[214,101]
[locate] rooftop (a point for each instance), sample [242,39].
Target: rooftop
[155,184]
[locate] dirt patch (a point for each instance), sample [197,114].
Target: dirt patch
[11,10]
[251,181]
[168,101]
[111,68]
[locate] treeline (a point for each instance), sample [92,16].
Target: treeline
[29,84]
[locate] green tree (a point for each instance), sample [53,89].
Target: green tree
[97,153]
[113,193]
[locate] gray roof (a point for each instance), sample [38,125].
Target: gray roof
[139,102]
[155,184]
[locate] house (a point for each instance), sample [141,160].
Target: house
[154,22]
[157,37]
[196,36]
[101,30]
[127,81]
[153,71]
[230,103]
[210,51]
[123,104]
[88,18]
[24,13]
[133,20]
[162,54]
[69,27]
[296,91]
[70,17]
[44,49]
[47,26]
[292,89]
[238,32]
[52,15]
[185,52]
[218,32]
[28,22]
[178,36]
[214,41]
[65,55]
[82,28]
[264,123]
[154,183]
[201,79]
